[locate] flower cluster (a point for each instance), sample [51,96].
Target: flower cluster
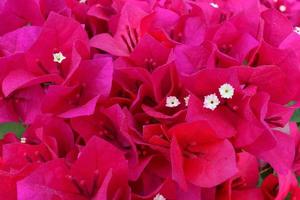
[150,99]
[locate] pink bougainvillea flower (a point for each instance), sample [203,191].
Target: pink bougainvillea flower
[109,123]
[245,112]
[148,53]
[278,187]
[223,46]
[17,13]
[294,132]
[278,114]
[190,28]
[125,28]
[25,153]
[244,183]
[116,126]
[53,132]
[19,40]
[150,100]
[79,95]
[59,6]
[65,102]
[289,8]
[40,67]
[7,110]
[41,57]
[23,104]
[152,171]
[27,103]
[291,42]
[94,75]
[199,157]
[110,168]
[276,27]
[190,59]
[166,190]
[167,87]
[129,86]
[245,15]
[105,178]
[28,152]
[56,185]
[13,171]
[160,24]
[210,83]
[155,179]
[95,14]
[288,63]
[281,157]
[19,79]
[9,179]
[232,42]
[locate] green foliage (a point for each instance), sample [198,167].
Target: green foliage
[16,128]
[288,196]
[296,116]
[260,181]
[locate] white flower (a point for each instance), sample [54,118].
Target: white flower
[159,197]
[186,100]
[172,102]
[226,91]
[211,101]
[58,57]
[23,140]
[282,8]
[214,5]
[297,30]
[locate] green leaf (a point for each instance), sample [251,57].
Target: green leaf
[291,103]
[296,116]
[16,128]
[245,62]
[288,197]
[260,181]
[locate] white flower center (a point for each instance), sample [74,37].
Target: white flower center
[172,102]
[186,100]
[226,91]
[211,101]
[159,197]
[58,57]
[214,5]
[23,140]
[297,30]
[282,8]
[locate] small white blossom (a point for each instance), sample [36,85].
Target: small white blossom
[282,8]
[186,100]
[172,102]
[226,91]
[58,57]
[159,197]
[214,5]
[211,101]
[23,140]
[297,30]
